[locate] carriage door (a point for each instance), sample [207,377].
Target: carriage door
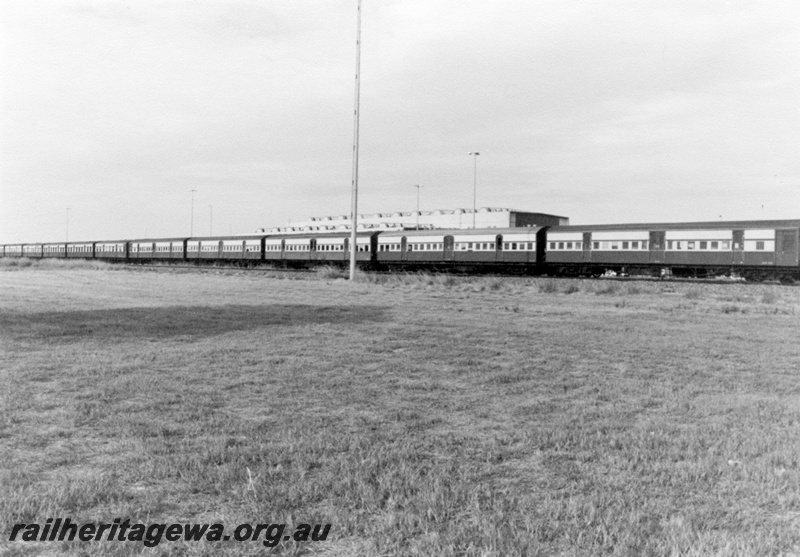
[403,248]
[738,247]
[347,249]
[312,247]
[658,246]
[786,248]
[587,247]
[498,248]
[449,248]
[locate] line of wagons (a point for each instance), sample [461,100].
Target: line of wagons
[754,249]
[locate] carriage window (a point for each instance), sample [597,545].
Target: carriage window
[689,245]
[703,245]
[737,245]
[625,245]
[714,245]
[759,245]
[595,245]
[561,245]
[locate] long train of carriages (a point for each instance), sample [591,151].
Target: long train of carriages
[752,249]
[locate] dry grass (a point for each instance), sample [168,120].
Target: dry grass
[419,414]
[19,263]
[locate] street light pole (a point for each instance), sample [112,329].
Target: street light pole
[418,187]
[191,221]
[356,117]
[474,155]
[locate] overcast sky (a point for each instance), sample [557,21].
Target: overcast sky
[616,111]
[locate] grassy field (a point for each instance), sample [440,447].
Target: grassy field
[419,415]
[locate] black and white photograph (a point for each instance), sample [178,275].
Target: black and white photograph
[373,278]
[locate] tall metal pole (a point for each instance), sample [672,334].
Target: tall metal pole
[210,220]
[417,186]
[191,221]
[354,195]
[474,185]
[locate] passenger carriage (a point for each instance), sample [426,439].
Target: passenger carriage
[80,250]
[506,246]
[169,249]
[333,248]
[203,249]
[111,250]
[13,250]
[273,249]
[320,247]
[410,246]
[710,246]
[159,249]
[34,251]
[139,250]
[299,248]
[55,250]
[226,248]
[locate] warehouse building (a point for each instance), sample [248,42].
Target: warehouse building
[485,217]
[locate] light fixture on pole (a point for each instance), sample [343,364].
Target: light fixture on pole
[418,187]
[191,221]
[474,155]
[210,220]
[356,117]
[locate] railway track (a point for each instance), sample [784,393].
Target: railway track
[257,269]
[310,271]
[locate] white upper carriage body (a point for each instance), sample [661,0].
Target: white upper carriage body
[80,247]
[425,243]
[110,247]
[273,244]
[565,241]
[330,244]
[519,241]
[363,243]
[298,244]
[620,240]
[164,246]
[565,236]
[759,240]
[719,240]
[232,245]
